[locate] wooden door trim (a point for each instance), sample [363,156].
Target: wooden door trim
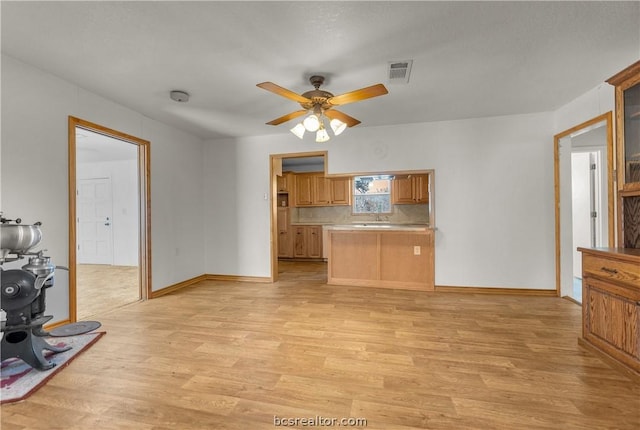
[608,119]
[144,196]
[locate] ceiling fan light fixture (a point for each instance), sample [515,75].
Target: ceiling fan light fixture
[322,135]
[311,123]
[337,126]
[298,130]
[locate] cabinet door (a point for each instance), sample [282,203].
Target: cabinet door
[303,190]
[285,249]
[610,320]
[299,241]
[402,190]
[283,219]
[284,234]
[321,190]
[285,182]
[341,191]
[421,188]
[314,241]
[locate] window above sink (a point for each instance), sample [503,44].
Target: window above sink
[372,194]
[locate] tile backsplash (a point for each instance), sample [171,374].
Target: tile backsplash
[402,214]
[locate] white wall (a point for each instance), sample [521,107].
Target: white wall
[35,110]
[124,179]
[493,196]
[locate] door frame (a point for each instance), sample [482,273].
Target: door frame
[275,170]
[144,203]
[607,118]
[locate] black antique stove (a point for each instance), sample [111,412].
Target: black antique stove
[22,293]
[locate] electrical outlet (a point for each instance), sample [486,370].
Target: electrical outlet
[416,250]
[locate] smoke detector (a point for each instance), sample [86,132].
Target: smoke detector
[399,71]
[179,96]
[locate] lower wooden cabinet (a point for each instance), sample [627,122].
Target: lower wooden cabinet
[307,241]
[285,235]
[381,258]
[611,304]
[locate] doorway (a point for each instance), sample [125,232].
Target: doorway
[109,219]
[282,204]
[584,198]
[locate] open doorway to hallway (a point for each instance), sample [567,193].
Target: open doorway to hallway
[107,223]
[109,262]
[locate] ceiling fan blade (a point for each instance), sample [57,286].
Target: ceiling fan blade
[277,89]
[357,95]
[336,114]
[287,117]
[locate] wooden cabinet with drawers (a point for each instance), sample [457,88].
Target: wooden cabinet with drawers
[611,304]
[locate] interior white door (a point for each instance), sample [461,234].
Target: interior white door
[95,219]
[582,207]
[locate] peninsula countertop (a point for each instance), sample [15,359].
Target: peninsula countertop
[377,226]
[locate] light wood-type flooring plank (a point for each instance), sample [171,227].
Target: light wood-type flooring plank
[101,288]
[231,355]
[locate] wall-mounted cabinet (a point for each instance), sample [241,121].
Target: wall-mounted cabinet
[627,84]
[410,189]
[285,182]
[340,191]
[314,189]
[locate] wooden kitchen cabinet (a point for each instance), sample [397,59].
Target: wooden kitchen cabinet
[285,235]
[321,195]
[340,191]
[303,189]
[285,182]
[410,189]
[307,241]
[389,258]
[312,189]
[611,304]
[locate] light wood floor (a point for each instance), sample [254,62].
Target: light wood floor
[226,355]
[101,288]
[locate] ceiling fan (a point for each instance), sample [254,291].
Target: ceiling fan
[321,103]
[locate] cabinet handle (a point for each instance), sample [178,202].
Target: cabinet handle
[606,269]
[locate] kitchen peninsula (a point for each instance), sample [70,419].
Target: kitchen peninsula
[381,255]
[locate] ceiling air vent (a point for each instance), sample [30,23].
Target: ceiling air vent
[399,71]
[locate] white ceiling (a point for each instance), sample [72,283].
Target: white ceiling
[471,59]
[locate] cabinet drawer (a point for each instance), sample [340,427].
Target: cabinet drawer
[611,269]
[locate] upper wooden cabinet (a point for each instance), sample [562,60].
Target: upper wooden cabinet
[340,191]
[314,189]
[285,182]
[627,84]
[410,189]
[304,189]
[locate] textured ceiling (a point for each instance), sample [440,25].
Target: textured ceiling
[471,59]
